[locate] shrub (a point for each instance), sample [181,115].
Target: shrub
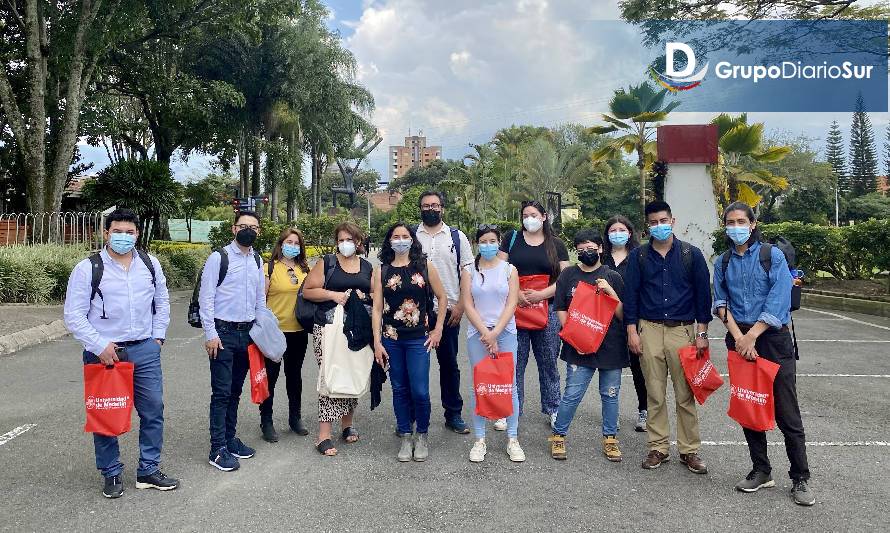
[571,227]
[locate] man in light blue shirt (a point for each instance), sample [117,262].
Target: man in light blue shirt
[124,318]
[752,295]
[228,310]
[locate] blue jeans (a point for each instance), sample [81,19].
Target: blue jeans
[148,398]
[477,352]
[449,372]
[409,374]
[545,343]
[227,373]
[577,380]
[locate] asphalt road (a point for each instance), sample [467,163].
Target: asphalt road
[49,481]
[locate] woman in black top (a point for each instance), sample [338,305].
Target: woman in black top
[404,286]
[351,274]
[619,239]
[536,250]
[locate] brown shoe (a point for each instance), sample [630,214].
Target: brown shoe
[694,463]
[611,450]
[558,447]
[654,460]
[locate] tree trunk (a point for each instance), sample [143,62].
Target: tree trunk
[641,165]
[255,159]
[314,181]
[243,165]
[272,172]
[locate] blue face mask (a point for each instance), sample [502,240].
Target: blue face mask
[619,238]
[661,232]
[401,246]
[488,250]
[738,234]
[290,250]
[122,243]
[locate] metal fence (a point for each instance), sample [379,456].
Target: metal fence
[67,227]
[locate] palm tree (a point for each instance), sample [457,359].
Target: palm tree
[736,176]
[545,169]
[635,112]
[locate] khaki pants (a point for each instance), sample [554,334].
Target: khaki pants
[660,346]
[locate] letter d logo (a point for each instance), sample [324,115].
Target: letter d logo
[669,49]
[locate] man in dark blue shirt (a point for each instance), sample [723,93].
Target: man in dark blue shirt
[667,305]
[755,304]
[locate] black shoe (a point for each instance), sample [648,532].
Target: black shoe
[296,425]
[755,481]
[156,481]
[801,494]
[239,449]
[457,425]
[269,433]
[114,487]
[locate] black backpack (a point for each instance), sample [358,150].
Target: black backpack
[194,313]
[305,309]
[98,269]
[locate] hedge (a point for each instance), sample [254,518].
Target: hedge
[316,230]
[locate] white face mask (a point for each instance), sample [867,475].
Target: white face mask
[532,224]
[346,248]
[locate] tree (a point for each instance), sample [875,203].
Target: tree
[739,174]
[638,10]
[834,154]
[863,154]
[635,111]
[871,205]
[429,176]
[195,196]
[887,153]
[546,169]
[146,187]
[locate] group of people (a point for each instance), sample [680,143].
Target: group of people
[428,279]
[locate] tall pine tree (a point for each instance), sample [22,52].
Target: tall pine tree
[834,154]
[887,156]
[863,154]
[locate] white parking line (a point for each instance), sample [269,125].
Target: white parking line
[815,443]
[6,437]
[835,315]
[851,341]
[835,375]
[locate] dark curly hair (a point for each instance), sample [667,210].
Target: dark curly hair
[415,255]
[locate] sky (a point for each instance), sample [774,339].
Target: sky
[459,70]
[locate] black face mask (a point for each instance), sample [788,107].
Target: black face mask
[430,217]
[245,237]
[589,258]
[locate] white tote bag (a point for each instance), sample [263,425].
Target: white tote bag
[343,373]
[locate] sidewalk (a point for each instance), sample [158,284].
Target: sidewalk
[26,325]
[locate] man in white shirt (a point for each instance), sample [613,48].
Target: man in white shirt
[228,310]
[448,249]
[118,308]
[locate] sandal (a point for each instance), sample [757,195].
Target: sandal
[350,433]
[324,446]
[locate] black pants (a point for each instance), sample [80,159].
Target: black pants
[639,381]
[449,372]
[777,346]
[293,366]
[227,373]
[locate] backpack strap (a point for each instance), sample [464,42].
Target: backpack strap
[270,266]
[330,261]
[257,259]
[97,269]
[151,268]
[686,258]
[455,241]
[642,257]
[223,265]
[766,256]
[512,241]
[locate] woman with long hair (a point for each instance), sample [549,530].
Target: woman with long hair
[403,287]
[619,239]
[351,274]
[490,292]
[536,251]
[285,273]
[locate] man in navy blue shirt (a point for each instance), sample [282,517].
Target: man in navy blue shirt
[667,305]
[755,305]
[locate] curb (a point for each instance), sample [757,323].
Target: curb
[19,340]
[839,303]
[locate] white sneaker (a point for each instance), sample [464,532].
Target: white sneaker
[552,420]
[500,424]
[478,451]
[514,450]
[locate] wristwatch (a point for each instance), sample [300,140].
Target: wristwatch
[702,335]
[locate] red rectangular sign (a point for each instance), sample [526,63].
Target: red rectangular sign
[694,143]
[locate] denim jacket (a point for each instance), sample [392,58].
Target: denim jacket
[754,295]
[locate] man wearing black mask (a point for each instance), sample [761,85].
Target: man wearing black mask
[232,289]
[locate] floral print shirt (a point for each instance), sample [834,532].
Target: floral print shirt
[406,300]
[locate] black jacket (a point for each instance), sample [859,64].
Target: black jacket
[357,323]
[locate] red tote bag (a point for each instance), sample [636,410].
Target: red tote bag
[701,375]
[108,398]
[259,381]
[493,386]
[590,315]
[533,316]
[751,401]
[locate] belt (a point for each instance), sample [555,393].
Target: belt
[237,326]
[130,343]
[671,323]
[746,327]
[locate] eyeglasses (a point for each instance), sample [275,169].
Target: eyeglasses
[293,276]
[428,207]
[487,227]
[247,226]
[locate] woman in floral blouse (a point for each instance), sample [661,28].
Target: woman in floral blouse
[403,288]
